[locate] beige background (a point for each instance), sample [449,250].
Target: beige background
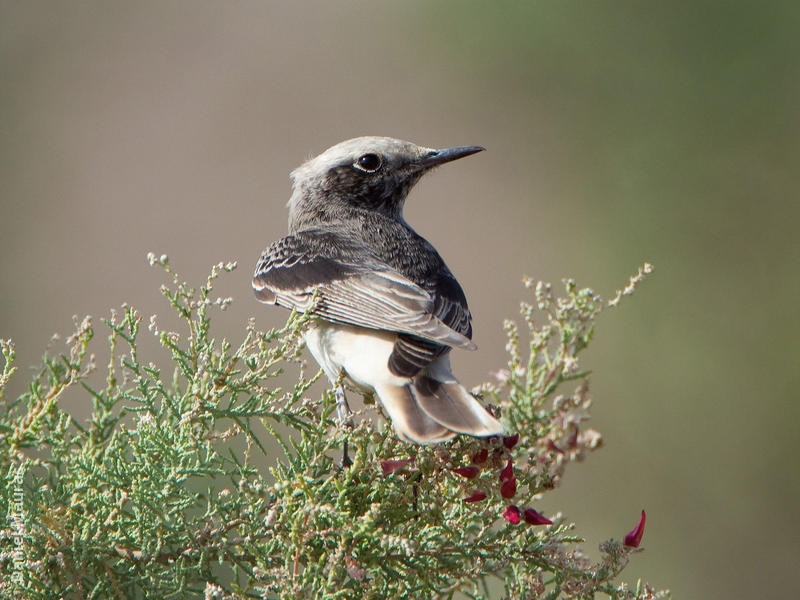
[617,132]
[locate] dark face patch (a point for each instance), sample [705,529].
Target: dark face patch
[383,190]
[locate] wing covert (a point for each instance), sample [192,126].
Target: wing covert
[352,289]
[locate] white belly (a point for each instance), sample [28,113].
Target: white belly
[362,353]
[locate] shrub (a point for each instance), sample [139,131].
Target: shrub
[161,494]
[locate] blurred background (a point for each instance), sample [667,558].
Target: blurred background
[617,132]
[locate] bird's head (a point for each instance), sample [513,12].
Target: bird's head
[366,173]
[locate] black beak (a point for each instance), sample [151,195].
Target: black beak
[439,157]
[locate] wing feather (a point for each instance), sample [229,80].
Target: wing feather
[369,295]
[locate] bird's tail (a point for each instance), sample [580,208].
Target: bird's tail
[427,411]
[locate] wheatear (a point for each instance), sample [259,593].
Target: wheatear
[389,309]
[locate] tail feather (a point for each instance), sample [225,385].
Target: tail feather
[453,407]
[428,411]
[411,423]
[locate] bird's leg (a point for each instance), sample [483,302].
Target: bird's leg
[343,412]
[345,417]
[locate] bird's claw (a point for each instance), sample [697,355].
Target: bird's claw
[346,461]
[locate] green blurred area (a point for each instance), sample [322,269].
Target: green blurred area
[677,137]
[617,132]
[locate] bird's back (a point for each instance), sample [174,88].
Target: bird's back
[397,245]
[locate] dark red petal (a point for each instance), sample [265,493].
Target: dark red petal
[510,441]
[475,496]
[572,438]
[480,456]
[634,537]
[511,514]
[534,518]
[468,472]
[390,466]
[507,472]
[508,488]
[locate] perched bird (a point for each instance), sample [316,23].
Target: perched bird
[389,309]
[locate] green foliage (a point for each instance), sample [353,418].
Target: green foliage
[161,492]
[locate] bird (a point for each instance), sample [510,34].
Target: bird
[388,309]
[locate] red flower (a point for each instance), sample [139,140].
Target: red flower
[468,472]
[511,514]
[475,496]
[634,537]
[510,441]
[480,456]
[534,518]
[507,472]
[390,466]
[508,488]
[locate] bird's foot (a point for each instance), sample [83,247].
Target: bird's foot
[346,461]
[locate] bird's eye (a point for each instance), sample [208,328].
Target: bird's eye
[368,162]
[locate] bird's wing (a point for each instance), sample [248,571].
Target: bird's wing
[291,270]
[411,354]
[450,304]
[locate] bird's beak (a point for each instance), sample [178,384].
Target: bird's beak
[439,157]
